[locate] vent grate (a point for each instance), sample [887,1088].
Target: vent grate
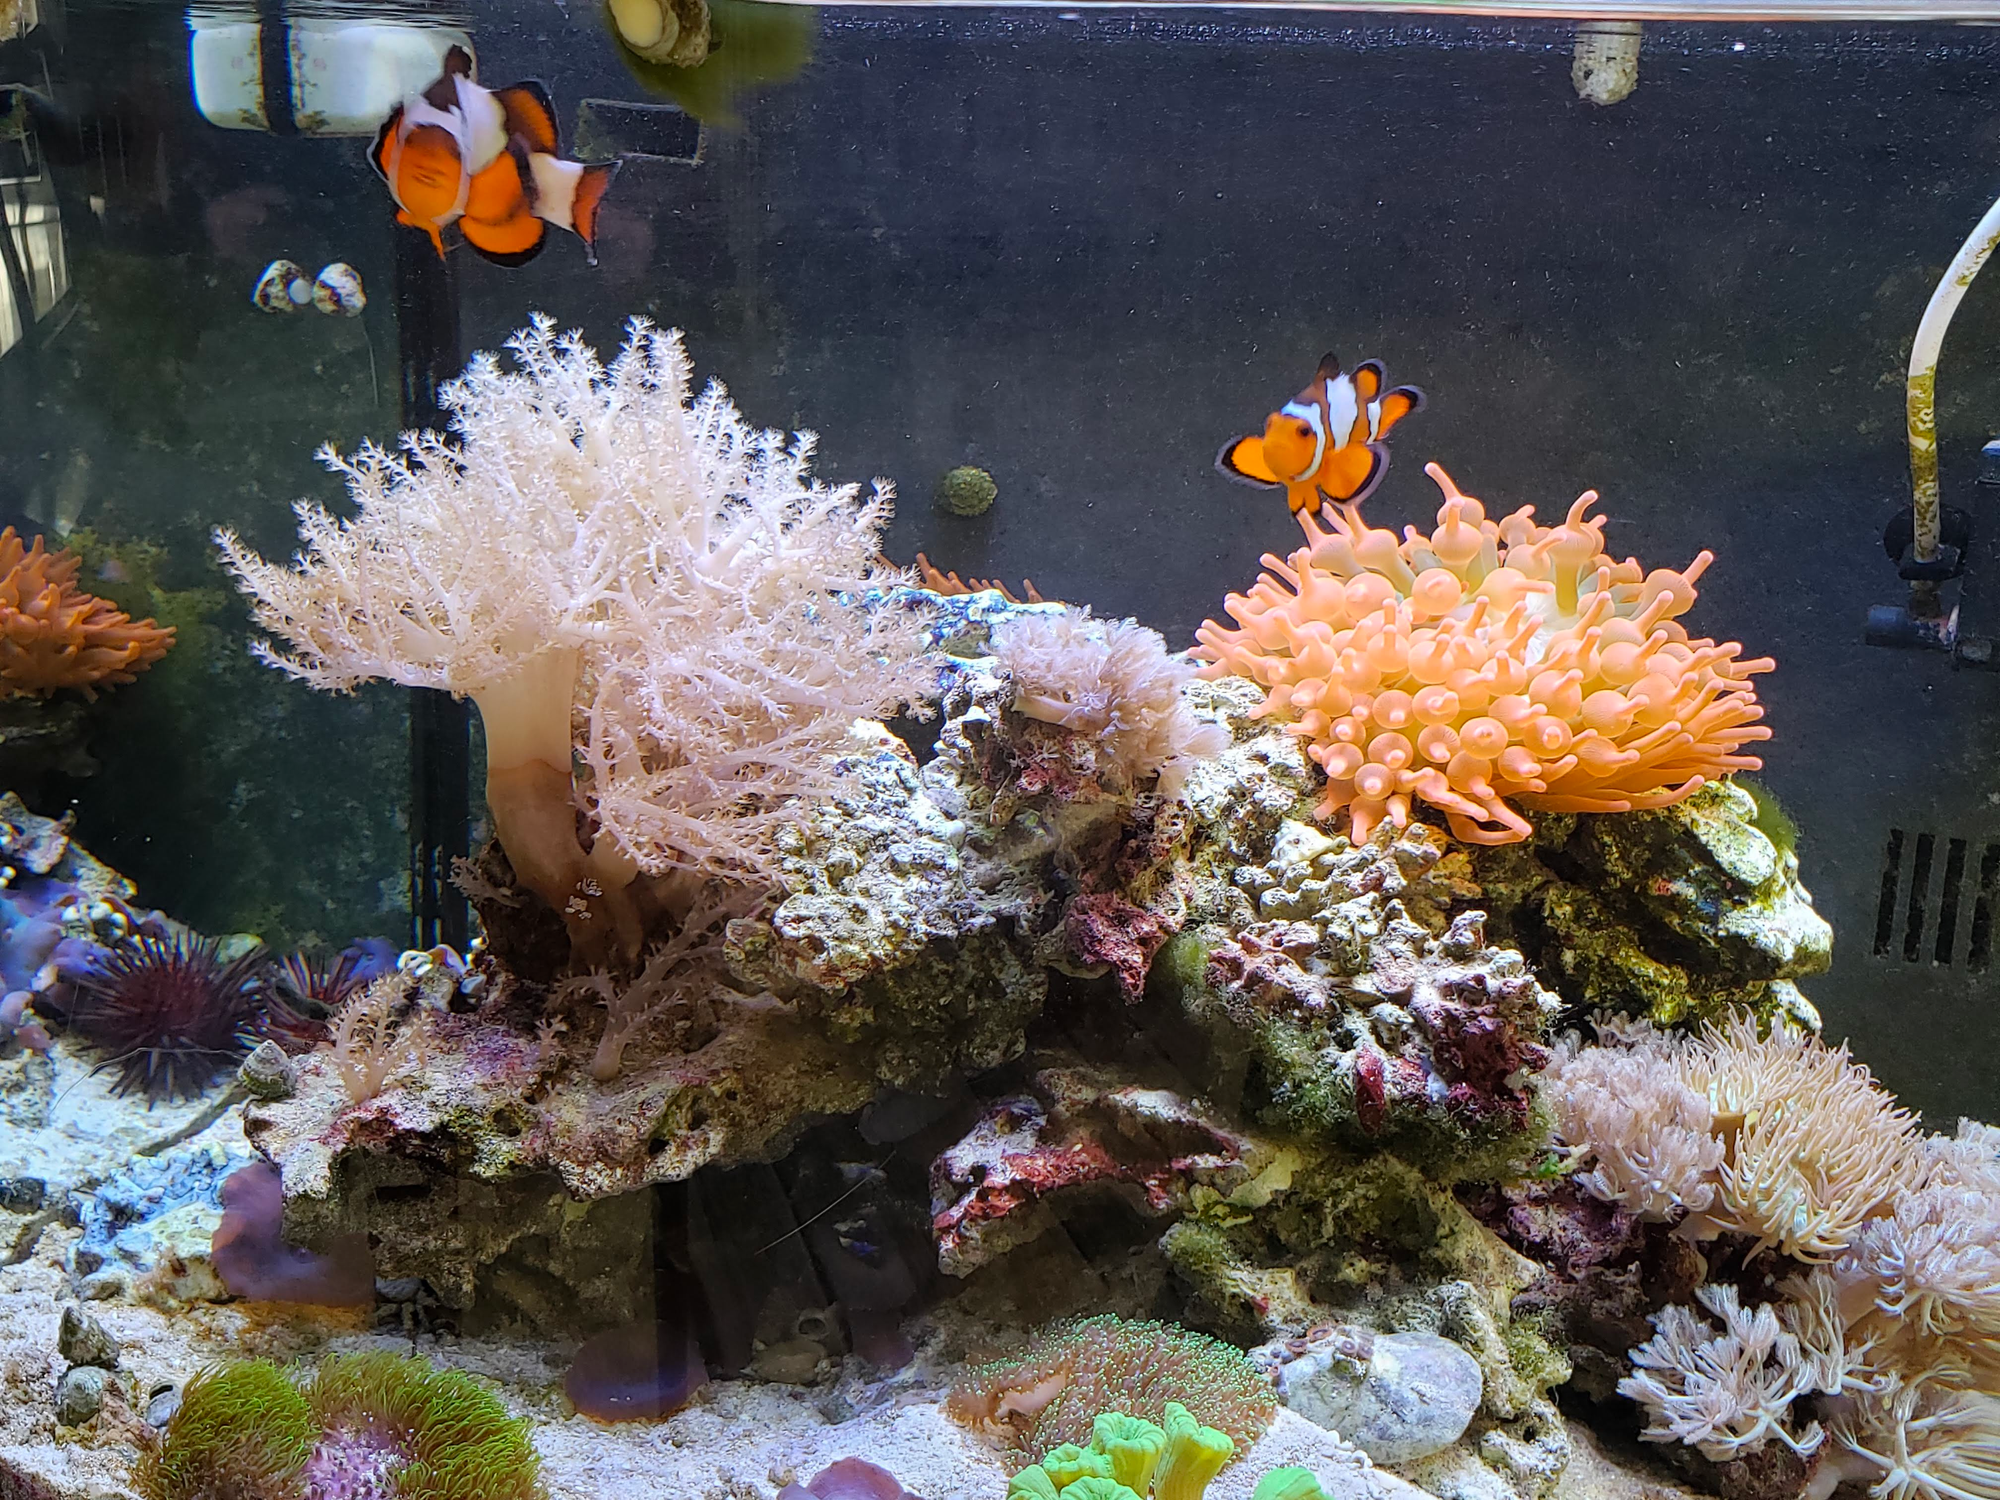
[1921,912]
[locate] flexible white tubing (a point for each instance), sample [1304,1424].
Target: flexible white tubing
[1921,394]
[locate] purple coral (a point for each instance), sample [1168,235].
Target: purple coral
[849,1479]
[250,1254]
[638,1372]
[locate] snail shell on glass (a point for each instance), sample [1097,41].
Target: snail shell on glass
[1605,68]
[282,288]
[338,290]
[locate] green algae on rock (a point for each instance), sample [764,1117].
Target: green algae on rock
[1681,914]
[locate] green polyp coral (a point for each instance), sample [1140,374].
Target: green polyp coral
[242,1429]
[1174,1462]
[1096,1488]
[362,1427]
[1132,1444]
[1130,1458]
[1195,1454]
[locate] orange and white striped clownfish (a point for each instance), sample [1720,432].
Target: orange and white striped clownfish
[1329,441]
[485,160]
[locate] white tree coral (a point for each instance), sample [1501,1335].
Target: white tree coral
[1113,680]
[612,571]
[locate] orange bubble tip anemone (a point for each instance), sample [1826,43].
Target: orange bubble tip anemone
[1487,664]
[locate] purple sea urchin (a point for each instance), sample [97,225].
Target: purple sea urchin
[306,991]
[171,1012]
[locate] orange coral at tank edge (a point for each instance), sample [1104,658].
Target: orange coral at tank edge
[1488,662]
[53,635]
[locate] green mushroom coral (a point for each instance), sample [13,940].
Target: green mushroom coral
[362,1427]
[1131,1459]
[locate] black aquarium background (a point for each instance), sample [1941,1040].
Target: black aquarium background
[1081,250]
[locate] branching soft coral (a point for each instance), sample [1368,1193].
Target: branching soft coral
[1639,1135]
[1815,1148]
[1488,662]
[1112,680]
[1722,1391]
[53,635]
[614,572]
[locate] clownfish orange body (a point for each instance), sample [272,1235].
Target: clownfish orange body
[486,160]
[1327,443]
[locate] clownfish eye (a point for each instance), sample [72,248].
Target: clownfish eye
[1305,429]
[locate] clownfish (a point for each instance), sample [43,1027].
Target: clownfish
[485,160]
[1329,441]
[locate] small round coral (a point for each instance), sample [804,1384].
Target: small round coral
[172,1012]
[1488,662]
[364,1427]
[967,491]
[1053,1393]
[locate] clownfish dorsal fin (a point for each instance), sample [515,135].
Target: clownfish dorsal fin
[1329,368]
[1243,461]
[1368,376]
[443,94]
[378,154]
[531,115]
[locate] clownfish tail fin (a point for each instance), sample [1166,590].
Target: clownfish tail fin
[590,190]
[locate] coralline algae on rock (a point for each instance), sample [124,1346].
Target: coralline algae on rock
[1084,1132]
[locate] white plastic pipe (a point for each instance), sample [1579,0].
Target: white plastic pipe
[1921,393]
